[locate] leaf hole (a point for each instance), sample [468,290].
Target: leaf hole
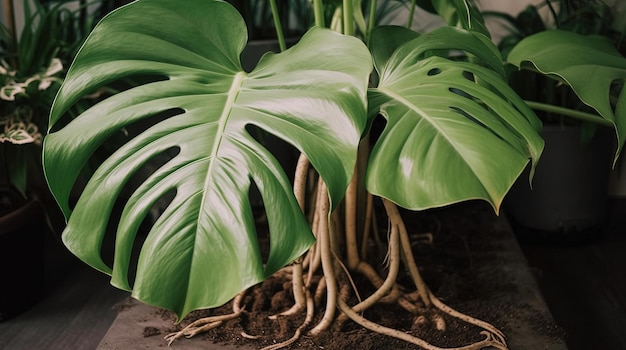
[286,154]
[466,115]
[116,140]
[93,97]
[475,120]
[155,212]
[617,88]
[143,174]
[260,221]
[469,76]
[376,129]
[433,72]
[462,93]
[150,217]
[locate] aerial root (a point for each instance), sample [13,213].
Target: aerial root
[424,294]
[320,291]
[369,225]
[249,336]
[409,306]
[407,254]
[207,323]
[201,325]
[298,291]
[375,327]
[385,293]
[324,238]
[298,284]
[332,285]
[310,312]
[469,319]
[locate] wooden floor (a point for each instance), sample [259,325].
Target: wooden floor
[584,286]
[75,313]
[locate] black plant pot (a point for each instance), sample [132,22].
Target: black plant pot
[21,257]
[567,202]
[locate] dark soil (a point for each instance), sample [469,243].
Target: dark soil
[467,265]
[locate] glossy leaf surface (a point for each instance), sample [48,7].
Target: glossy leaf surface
[203,249]
[455,130]
[590,65]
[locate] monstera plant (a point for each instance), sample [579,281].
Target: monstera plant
[581,52]
[454,131]
[572,73]
[589,64]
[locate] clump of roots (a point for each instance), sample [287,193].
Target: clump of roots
[323,276]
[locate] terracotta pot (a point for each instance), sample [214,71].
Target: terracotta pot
[21,258]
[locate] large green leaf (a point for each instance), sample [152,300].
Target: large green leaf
[589,64]
[455,130]
[441,41]
[203,249]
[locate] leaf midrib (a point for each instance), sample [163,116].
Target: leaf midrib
[232,94]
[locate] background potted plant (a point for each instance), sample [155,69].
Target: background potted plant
[31,73]
[454,130]
[32,67]
[571,73]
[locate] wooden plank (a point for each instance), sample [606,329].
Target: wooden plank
[74,315]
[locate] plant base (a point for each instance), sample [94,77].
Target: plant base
[474,264]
